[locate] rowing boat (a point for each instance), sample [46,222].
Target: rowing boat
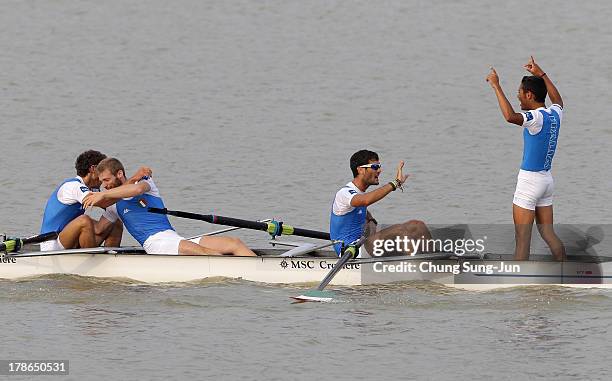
[466,272]
[307,262]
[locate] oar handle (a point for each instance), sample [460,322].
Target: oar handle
[15,244]
[40,238]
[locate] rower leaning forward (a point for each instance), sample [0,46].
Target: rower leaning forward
[130,202]
[350,219]
[64,213]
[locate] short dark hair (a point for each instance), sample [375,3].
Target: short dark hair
[361,158]
[86,160]
[112,164]
[536,86]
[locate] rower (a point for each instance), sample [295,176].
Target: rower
[130,203]
[350,219]
[533,197]
[64,213]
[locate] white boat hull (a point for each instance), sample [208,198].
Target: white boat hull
[581,272]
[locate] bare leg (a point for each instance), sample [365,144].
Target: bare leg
[110,233]
[216,246]
[114,237]
[544,219]
[79,233]
[523,223]
[412,230]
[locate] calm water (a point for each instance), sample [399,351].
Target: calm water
[251,109]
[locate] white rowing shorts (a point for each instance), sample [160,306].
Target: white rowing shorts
[534,189]
[52,245]
[165,242]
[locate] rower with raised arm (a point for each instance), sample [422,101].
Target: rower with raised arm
[533,197]
[64,212]
[349,217]
[131,202]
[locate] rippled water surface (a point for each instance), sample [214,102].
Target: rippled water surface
[252,109]
[231,329]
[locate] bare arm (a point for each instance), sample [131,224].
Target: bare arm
[103,203]
[127,190]
[371,223]
[506,108]
[369,198]
[553,93]
[536,70]
[111,196]
[369,217]
[140,173]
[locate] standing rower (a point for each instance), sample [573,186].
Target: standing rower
[350,219]
[533,197]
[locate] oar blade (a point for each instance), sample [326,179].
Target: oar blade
[315,296]
[319,295]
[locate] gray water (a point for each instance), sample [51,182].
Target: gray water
[252,109]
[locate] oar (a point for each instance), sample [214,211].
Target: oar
[224,230]
[275,228]
[318,295]
[15,244]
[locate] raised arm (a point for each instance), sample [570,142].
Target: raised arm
[536,70]
[504,105]
[369,198]
[140,173]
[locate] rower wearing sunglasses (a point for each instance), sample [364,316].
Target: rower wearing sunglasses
[350,218]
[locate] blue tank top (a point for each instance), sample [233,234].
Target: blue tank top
[58,215]
[539,149]
[138,221]
[348,227]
